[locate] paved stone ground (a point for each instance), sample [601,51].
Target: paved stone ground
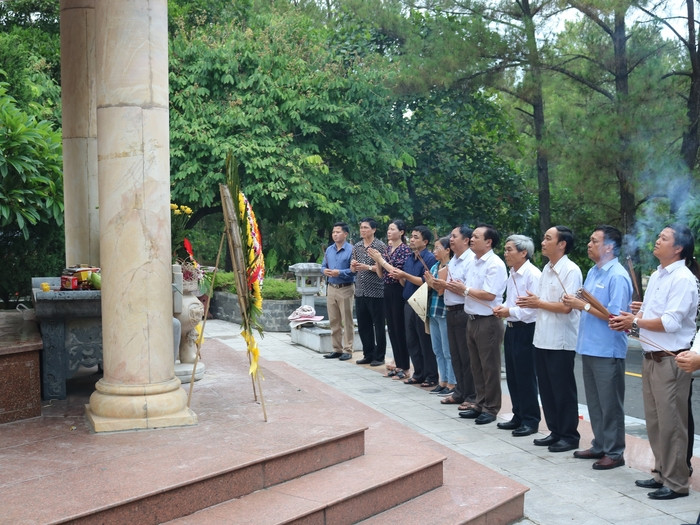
[562,489]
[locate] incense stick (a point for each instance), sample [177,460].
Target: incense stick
[479,301]
[551,266]
[651,343]
[515,284]
[422,262]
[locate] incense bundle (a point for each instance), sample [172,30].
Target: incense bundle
[633,275]
[595,303]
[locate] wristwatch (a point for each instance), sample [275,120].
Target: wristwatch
[466,291]
[587,307]
[635,326]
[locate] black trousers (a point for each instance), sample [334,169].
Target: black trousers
[393,307]
[459,352]
[369,312]
[555,376]
[420,348]
[521,375]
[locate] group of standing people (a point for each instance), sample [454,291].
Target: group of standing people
[545,318]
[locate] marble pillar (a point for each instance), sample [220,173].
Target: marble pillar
[82,227]
[139,388]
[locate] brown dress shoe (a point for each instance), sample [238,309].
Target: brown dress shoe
[588,454]
[606,463]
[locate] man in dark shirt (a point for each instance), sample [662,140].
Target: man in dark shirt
[369,295]
[420,348]
[340,279]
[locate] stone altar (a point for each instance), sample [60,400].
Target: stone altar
[71,330]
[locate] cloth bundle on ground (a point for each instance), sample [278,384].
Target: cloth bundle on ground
[303,315]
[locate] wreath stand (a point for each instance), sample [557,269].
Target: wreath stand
[236,249]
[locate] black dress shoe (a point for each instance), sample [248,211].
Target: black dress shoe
[665,493]
[524,430]
[485,418]
[545,442]
[345,356]
[470,414]
[333,355]
[363,361]
[648,483]
[562,446]
[509,425]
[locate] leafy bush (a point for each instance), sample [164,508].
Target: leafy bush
[41,255]
[272,288]
[31,168]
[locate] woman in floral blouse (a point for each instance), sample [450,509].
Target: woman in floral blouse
[395,257]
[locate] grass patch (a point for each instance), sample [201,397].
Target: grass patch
[276,289]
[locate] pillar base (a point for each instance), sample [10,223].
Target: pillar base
[184,371]
[113,408]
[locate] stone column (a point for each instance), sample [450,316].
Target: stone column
[82,226]
[139,388]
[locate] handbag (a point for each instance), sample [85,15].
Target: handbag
[419,301]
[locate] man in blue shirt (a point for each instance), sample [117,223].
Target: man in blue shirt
[340,280]
[420,348]
[603,350]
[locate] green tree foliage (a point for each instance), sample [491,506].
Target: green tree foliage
[30,66]
[30,169]
[616,136]
[459,176]
[309,128]
[37,14]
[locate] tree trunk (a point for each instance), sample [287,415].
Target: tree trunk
[534,87]
[691,139]
[624,169]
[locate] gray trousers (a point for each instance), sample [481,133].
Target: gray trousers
[459,352]
[604,381]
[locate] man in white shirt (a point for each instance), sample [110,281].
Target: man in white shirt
[519,352]
[555,340]
[483,291]
[665,324]
[464,394]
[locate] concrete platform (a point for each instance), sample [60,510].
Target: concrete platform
[320,455]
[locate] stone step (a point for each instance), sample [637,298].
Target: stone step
[471,493]
[340,494]
[166,493]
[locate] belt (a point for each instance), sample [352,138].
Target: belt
[513,324]
[473,317]
[657,356]
[342,285]
[454,307]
